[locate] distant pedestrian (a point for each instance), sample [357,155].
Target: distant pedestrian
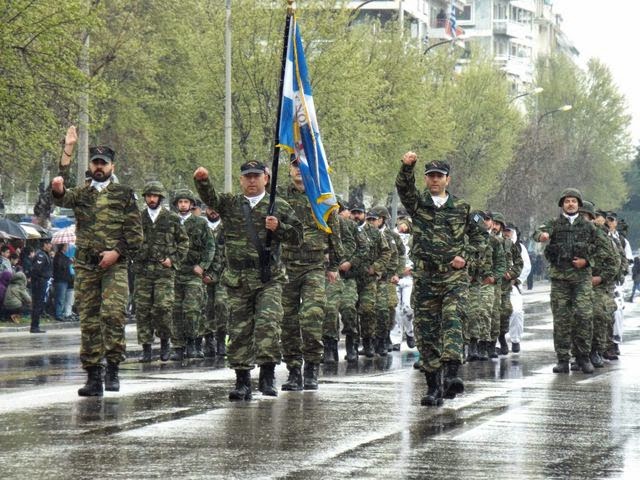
[40,275]
[635,275]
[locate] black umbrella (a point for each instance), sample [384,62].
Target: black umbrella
[12,229]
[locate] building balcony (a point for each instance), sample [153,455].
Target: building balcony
[519,67]
[512,29]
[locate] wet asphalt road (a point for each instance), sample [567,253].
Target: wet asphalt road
[516,419]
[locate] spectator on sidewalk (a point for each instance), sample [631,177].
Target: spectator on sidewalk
[17,301]
[61,279]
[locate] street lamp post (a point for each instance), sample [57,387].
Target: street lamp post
[564,108]
[535,91]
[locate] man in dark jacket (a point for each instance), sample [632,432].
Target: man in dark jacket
[40,274]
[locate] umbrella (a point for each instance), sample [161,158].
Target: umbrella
[12,229]
[65,235]
[31,232]
[42,232]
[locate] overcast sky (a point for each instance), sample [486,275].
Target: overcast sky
[606,29]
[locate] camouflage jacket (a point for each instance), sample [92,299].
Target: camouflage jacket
[439,234]
[567,241]
[378,255]
[397,259]
[219,258]
[164,238]
[513,261]
[107,220]
[242,256]
[201,245]
[356,246]
[606,260]
[316,242]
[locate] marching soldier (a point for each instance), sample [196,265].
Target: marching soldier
[444,238]
[108,234]
[165,246]
[255,308]
[188,286]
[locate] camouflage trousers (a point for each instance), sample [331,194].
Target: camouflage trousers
[331,323]
[153,298]
[472,313]
[496,312]
[367,294]
[386,302]
[572,307]
[604,307]
[303,302]
[348,307]
[506,309]
[255,315]
[101,299]
[216,313]
[187,309]
[437,307]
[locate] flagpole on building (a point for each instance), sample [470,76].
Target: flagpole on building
[266,263]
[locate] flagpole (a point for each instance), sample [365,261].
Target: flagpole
[266,263]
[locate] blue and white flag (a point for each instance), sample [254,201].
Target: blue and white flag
[451,28]
[299,133]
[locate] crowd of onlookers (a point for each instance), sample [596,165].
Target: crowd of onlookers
[29,286]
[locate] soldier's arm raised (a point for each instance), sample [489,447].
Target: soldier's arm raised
[206,190]
[406,182]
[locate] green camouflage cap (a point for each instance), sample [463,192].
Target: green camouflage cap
[154,187]
[498,217]
[184,193]
[588,207]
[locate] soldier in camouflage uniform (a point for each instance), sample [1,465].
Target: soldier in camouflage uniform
[570,255]
[386,298]
[444,237]
[108,234]
[355,245]
[514,266]
[165,246]
[372,269]
[303,297]
[255,308]
[188,286]
[214,325]
[477,311]
[604,272]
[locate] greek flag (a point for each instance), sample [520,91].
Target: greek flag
[299,133]
[452,29]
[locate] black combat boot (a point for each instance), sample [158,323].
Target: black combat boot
[473,350]
[585,364]
[482,351]
[515,347]
[367,347]
[328,350]
[433,397]
[294,382]
[243,386]
[411,341]
[352,352]
[561,367]
[177,355]
[310,376]
[190,348]
[197,343]
[209,349]
[221,346]
[334,348]
[575,366]
[452,384]
[111,380]
[504,346]
[492,351]
[93,387]
[145,357]
[267,380]
[164,349]
[596,359]
[381,346]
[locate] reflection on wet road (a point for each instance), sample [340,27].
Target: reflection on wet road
[515,420]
